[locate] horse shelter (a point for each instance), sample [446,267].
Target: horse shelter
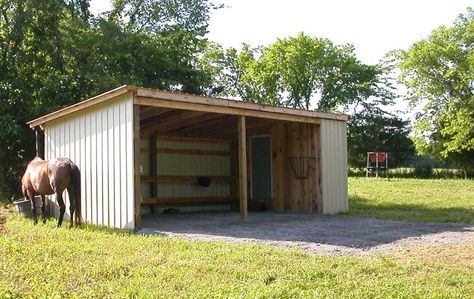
[146,151]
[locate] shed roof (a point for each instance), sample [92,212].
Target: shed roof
[179,100]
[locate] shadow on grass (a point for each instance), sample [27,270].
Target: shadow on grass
[359,206]
[312,229]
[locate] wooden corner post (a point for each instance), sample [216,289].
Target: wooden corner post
[242,141]
[136,164]
[39,134]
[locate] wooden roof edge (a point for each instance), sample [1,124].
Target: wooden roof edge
[82,105]
[182,97]
[212,101]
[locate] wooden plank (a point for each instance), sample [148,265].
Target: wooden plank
[280,169]
[146,101]
[137,172]
[307,204]
[192,139]
[316,175]
[172,179]
[241,105]
[242,141]
[162,124]
[182,151]
[187,200]
[82,105]
[234,161]
[153,168]
[151,112]
[177,126]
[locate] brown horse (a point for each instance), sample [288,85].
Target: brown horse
[53,177]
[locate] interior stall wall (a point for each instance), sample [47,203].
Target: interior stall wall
[296,141]
[179,163]
[334,166]
[100,141]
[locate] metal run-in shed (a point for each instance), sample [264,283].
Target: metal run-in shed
[143,151]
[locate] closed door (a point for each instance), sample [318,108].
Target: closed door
[261,168]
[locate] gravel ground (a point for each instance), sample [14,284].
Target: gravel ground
[312,233]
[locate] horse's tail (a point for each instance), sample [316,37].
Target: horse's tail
[76,186]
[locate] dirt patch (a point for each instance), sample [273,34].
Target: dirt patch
[448,255]
[313,233]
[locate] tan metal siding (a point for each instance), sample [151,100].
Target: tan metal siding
[334,166]
[100,141]
[187,165]
[171,164]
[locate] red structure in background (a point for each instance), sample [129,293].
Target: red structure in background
[376,161]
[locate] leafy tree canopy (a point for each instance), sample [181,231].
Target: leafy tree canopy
[54,52]
[373,129]
[301,72]
[439,74]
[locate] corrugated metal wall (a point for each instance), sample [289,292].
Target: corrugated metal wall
[100,141]
[334,166]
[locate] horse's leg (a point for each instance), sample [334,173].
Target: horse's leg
[72,205]
[43,208]
[31,195]
[62,207]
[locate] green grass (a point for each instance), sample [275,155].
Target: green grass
[37,261]
[412,199]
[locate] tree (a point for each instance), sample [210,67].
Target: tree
[54,53]
[439,74]
[301,72]
[375,130]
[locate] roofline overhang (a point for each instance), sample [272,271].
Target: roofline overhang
[179,100]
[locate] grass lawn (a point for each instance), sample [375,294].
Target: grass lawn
[412,199]
[37,261]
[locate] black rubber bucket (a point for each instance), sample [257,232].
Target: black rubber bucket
[23,206]
[204,181]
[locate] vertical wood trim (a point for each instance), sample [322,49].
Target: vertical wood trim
[234,160]
[317,182]
[279,166]
[242,140]
[136,159]
[153,169]
[40,148]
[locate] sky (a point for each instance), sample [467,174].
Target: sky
[374,27]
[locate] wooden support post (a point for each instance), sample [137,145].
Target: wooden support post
[137,166]
[153,172]
[39,134]
[242,140]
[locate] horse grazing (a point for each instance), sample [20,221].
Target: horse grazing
[52,177]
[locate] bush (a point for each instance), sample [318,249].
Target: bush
[423,171]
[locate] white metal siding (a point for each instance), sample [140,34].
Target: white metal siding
[334,166]
[100,141]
